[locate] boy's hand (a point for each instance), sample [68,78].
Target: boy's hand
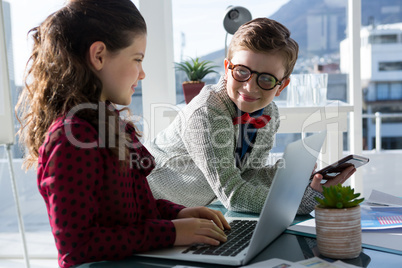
[205,213]
[340,178]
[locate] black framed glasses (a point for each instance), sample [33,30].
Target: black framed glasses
[243,73]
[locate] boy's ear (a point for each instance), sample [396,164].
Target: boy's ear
[226,63]
[285,83]
[97,53]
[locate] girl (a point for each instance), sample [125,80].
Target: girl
[87,57]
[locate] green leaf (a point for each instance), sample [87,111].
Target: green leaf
[195,69]
[338,196]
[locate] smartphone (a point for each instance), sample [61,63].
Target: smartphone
[340,165]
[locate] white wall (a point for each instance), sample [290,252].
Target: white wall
[366,63]
[385,53]
[158,88]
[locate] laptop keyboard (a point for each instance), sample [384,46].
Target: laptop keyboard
[238,239]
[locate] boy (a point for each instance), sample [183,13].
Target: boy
[218,147]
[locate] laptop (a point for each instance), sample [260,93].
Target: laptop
[277,214]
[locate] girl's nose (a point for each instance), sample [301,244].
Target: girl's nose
[141,75]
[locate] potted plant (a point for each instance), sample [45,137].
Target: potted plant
[338,223]
[195,70]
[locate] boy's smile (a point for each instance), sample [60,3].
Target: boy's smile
[248,96]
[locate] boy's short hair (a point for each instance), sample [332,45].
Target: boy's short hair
[263,35]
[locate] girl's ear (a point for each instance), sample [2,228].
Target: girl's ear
[285,83]
[97,53]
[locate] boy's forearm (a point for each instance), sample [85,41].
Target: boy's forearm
[308,202]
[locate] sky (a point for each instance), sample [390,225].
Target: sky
[201,22]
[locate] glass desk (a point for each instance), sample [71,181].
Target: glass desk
[287,246]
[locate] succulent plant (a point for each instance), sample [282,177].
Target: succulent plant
[195,69]
[338,196]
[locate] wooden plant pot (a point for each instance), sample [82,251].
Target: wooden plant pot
[191,89]
[339,233]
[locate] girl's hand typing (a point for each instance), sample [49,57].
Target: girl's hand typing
[193,230]
[205,213]
[200,225]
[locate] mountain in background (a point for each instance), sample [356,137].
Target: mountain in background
[327,19]
[320,25]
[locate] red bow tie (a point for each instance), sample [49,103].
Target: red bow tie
[258,122]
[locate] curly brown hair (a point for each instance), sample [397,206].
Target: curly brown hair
[263,35]
[58,76]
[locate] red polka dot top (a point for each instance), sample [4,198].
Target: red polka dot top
[96,210]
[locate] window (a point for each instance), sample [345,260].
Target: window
[390,66]
[384,39]
[389,143]
[388,91]
[382,91]
[396,91]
